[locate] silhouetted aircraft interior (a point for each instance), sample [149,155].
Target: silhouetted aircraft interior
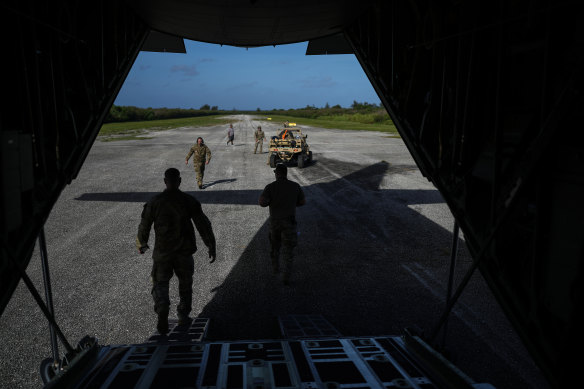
[486,96]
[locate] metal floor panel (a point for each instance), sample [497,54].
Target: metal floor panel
[351,362]
[184,359]
[306,326]
[196,332]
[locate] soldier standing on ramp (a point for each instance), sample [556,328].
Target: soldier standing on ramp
[259,139]
[201,157]
[282,196]
[171,212]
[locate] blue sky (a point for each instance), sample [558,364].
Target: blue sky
[233,77]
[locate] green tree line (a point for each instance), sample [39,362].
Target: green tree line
[359,111]
[132,114]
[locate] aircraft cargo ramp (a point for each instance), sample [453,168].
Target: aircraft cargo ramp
[312,354]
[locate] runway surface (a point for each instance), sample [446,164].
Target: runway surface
[373,254]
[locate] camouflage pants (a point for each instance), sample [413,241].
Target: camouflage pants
[261,144]
[184,268]
[283,238]
[200,170]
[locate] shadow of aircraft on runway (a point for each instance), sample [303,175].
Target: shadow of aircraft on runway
[365,178]
[366,260]
[354,239]
[250,196]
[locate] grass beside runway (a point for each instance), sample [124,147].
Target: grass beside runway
[355,122]
[137,130]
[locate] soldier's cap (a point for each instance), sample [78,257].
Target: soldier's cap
[281,168]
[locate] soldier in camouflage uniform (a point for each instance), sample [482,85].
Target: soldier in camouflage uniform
[171,212]
[282,196]
[259,139]
[201,157]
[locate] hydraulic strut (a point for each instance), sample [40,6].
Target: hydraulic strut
[48,293]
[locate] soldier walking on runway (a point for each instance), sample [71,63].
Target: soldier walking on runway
[173,212]
[259,139]
[230,134]
[282,196]
[201,157]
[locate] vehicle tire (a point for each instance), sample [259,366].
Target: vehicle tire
[273,160]
[301,161]
[310,156]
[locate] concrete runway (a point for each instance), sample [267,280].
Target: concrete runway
[373,254]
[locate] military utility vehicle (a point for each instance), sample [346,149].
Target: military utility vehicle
[290,146]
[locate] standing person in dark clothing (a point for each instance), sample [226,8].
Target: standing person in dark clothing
[282,196]
[173,213]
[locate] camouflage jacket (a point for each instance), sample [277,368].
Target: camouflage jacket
[259,135]
[200,153]
[171,212]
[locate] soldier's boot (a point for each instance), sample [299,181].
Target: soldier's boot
[184,320]
[286,273]
[162,325]
[275,257]
[275,266]
[182,311]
